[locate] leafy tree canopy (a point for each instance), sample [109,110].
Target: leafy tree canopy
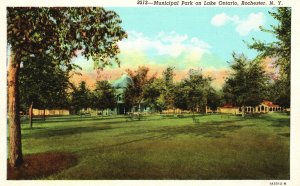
[280,49]
[246,85]
[61,32]
[104,96]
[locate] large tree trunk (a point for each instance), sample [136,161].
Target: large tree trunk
[30,114]
[15,146]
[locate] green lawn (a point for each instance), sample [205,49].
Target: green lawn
[219,147]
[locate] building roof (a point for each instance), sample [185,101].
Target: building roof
[265,103]
[122,82]
[269,104]
[227,105]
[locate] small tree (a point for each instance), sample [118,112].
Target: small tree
[80,97]
[135,92]
[104,96]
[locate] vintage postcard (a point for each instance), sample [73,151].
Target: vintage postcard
[144,92]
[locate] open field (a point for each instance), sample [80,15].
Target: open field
[219,147]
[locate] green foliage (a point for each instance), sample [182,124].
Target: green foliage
[213,99]
[104,96]
[152,93]
[80,97]
[135,91]
[277,94]
[192,93]
[60,32]
[246,85]
[44,84]
[279,50]
[168,90]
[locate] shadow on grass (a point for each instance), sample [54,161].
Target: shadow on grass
[277,122]
[70,119]
[34,128]
[287,134]
[215,131]
[66,131]
[281,123]
[171,132]
[108,120]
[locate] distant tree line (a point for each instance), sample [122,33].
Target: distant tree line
[247,85]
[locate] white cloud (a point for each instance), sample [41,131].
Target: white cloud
[171,47]
[222,19]
[164,43]
[242,26]
[219,19]
[252,23]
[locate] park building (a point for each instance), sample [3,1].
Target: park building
[120,86]
[264,107]
[50,112]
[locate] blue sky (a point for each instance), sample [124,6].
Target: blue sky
[185,38]
[197,22]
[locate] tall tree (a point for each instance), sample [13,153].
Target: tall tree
[44,89]
[246,84]
[57,33]
[192,92]
[280,50]
[168,91]
[152,93]
[104,96]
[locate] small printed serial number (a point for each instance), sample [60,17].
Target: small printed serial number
[277,183]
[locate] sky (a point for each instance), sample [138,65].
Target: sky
[186,38]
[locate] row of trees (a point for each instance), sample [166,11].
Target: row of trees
[102,97]
[192,93]
[247,85]
[54,91]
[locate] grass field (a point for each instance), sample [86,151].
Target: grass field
[219,147]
